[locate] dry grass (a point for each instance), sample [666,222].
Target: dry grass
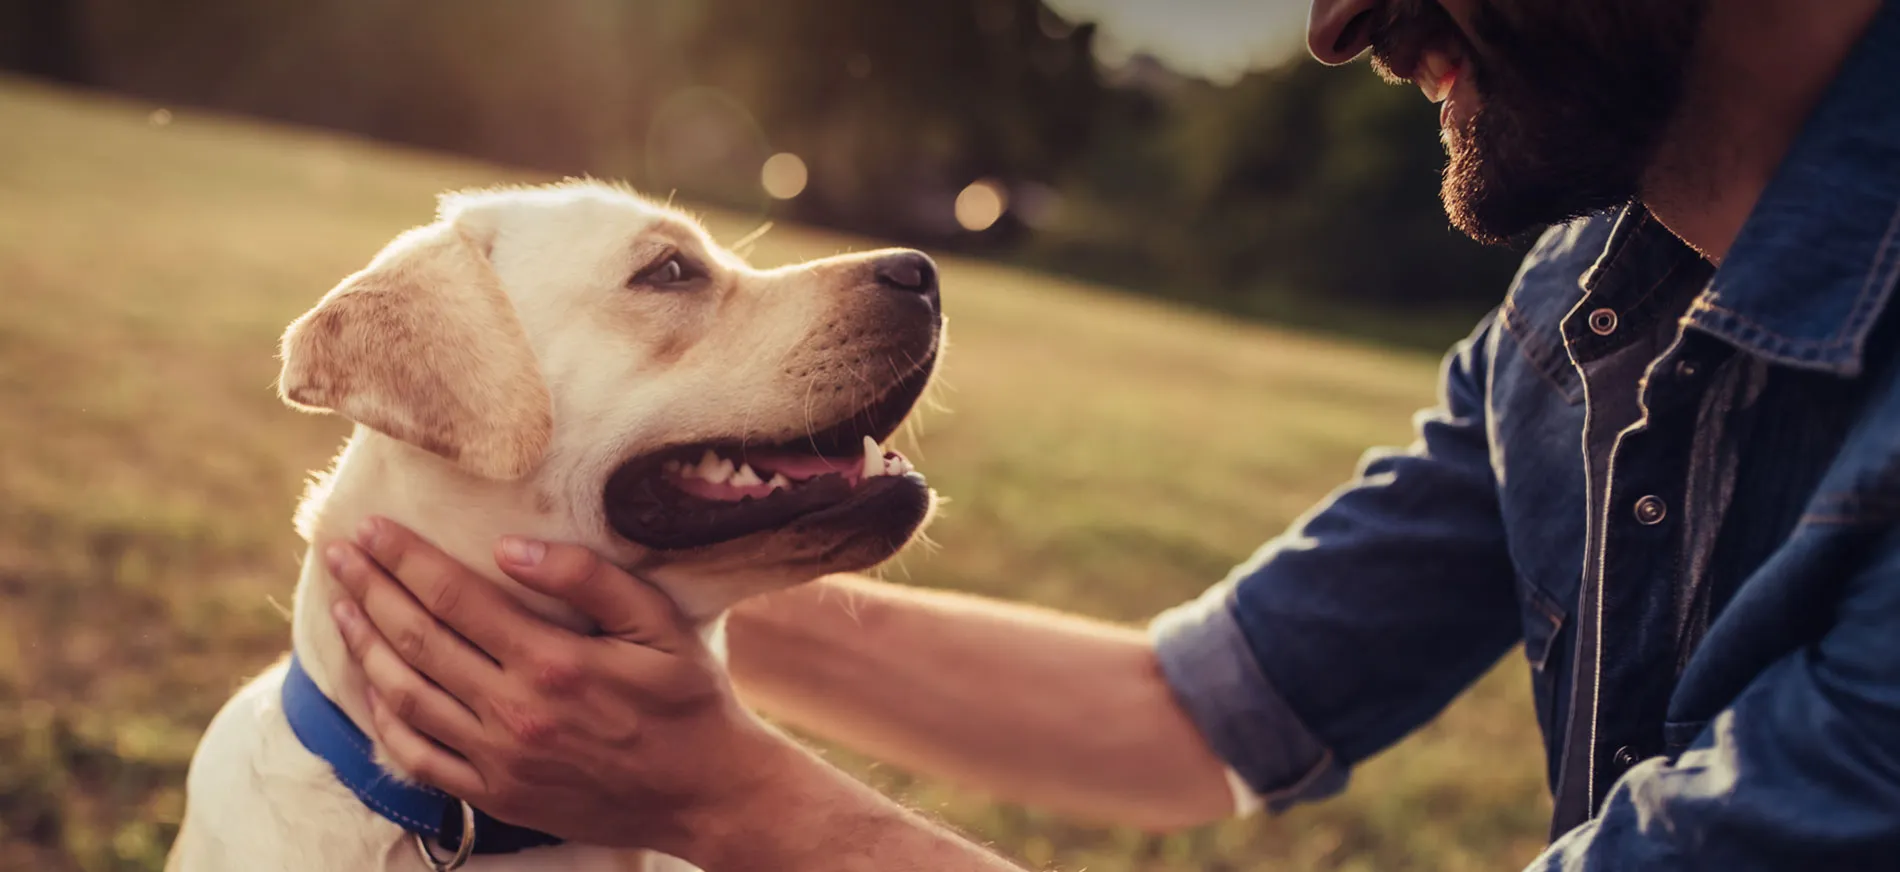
[1105,454]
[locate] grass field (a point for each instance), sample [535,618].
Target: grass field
[1104,454]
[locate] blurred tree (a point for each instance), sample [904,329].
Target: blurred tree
[1290,190]
[42,38]
[898,106]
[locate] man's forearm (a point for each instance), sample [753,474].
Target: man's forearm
[817,819]
[1032,706]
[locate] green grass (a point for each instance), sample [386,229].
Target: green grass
[1104,454]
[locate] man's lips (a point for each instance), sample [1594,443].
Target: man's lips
[1437,74]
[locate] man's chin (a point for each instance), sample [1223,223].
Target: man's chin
[1496,203]
[1472,214]
[1512,173]
[1476,208]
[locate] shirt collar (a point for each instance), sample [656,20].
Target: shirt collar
[1817,260]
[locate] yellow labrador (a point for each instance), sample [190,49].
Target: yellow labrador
[578,364]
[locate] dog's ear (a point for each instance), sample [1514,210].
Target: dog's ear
[423,345]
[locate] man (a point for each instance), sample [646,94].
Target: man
[1669,464]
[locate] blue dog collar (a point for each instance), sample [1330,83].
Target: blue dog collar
[432,815]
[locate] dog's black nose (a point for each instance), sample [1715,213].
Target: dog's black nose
[911,271]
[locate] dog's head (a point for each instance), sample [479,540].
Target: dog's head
[719,428]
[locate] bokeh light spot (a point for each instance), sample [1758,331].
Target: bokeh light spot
[981,205]
[784,175]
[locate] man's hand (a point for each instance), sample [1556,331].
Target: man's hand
[628,738]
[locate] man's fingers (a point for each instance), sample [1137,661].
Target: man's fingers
[622,606]
[408,696]
[453,593]
[422,759]
[409,632]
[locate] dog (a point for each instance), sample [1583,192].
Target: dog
[575,363]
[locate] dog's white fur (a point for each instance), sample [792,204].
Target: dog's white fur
[499,368]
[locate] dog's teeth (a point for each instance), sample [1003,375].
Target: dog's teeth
[873,459]
[780,482]
[715,469]
[672,466]
[745,477]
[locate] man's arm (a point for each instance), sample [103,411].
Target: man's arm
[1033,706]
[630,738]
[817,818]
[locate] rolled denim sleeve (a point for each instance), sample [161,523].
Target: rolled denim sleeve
[1364,619]
[1800,772]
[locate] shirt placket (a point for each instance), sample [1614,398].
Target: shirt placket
[1624,338]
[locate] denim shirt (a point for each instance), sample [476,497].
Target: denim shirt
[1678,487]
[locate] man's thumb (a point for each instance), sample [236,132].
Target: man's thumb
[620,604]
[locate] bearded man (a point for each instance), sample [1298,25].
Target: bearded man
[1668,464]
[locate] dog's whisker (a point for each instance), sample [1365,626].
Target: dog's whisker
[745,243]
[853,604]
[811,427]
[912,438]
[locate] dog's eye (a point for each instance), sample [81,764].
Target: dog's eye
[671,271]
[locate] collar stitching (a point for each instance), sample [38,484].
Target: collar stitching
[1852,333]
[1620,241]
[1874,291]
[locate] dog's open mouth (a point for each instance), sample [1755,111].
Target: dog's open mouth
[699,494]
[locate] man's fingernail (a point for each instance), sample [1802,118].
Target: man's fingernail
[346,615]
[336,556]
[523,552]
[368,532]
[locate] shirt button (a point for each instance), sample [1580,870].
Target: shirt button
[1650,511]
[1687,369]
[1626,757]
[1603,322]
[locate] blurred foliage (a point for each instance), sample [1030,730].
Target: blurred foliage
[1298,193]
[1284,195]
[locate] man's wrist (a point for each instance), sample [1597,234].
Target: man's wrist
[764,821]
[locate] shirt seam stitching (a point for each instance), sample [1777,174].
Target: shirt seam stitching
[1851,332]
[1550,360]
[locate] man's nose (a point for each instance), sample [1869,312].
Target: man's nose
[1339,30]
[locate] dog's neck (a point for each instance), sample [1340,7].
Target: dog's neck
[459,513]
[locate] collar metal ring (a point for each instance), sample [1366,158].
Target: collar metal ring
[462,851]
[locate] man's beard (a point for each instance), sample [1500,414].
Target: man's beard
[1575,100]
